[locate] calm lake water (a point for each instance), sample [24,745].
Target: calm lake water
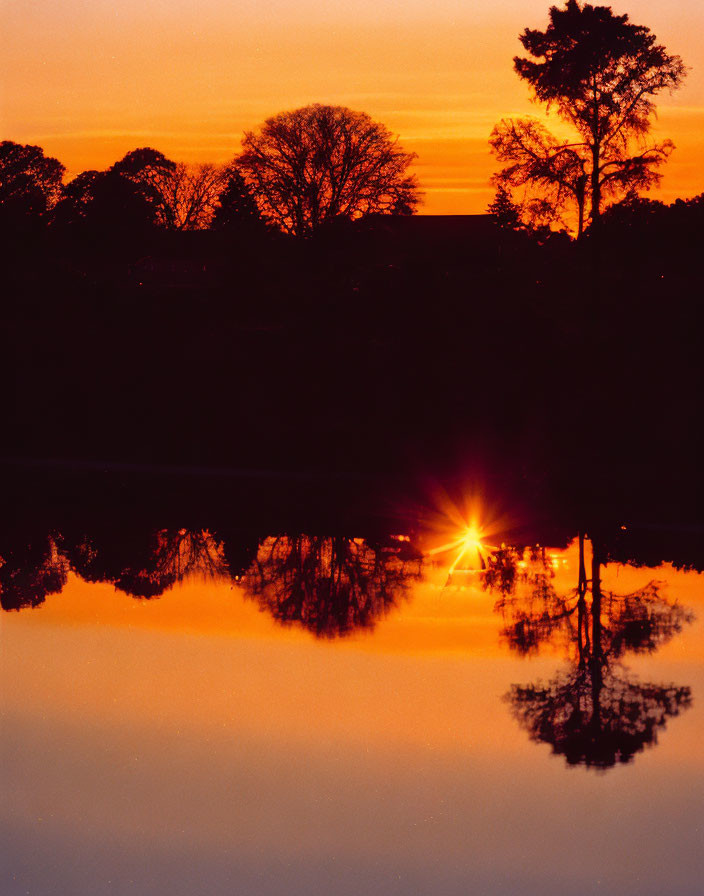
[338,716]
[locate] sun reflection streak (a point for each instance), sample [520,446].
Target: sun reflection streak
[461,529]
[470,544]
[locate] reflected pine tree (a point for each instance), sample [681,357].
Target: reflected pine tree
[594,713]
[331,585]
[239,551]
[30,569]
[596,716]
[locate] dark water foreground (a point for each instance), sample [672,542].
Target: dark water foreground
[215,682]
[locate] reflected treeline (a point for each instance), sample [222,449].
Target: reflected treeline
[330,585]
[150,562]
[30,569]
[594,712]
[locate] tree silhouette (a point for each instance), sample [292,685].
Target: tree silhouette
[595,716]
[240,550]
[190,195]
[236,209]
[147,564]
[31,567]
[504,210]
[144,188]
[594,713]
[30,184]
[184,196]
[331,585]
[552,173]
[315,164]
[600,73]
[106,204]
[145,167]
[151,173]
[532,609]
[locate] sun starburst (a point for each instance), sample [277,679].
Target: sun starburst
[469,546]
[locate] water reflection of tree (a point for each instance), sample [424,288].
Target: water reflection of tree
[146,564]
[595,712]
[596,716]
[31,568]
[532,610]
[331,585]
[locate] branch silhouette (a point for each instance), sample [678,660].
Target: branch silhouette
[330,585]
[595,713]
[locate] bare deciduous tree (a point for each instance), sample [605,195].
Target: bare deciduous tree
[184,196]
[190,195]
[334,585]
[314,164]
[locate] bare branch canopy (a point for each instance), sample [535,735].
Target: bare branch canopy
[318,163]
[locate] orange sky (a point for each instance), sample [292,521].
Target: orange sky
[90,80]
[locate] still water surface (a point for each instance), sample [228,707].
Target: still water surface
[335,716]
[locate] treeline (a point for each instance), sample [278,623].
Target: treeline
[304,169]
[145,193]
[141,192]
[567,371]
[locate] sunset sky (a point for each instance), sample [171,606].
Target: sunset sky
[90,79]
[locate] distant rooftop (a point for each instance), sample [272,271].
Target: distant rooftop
[453,223]
[433,232]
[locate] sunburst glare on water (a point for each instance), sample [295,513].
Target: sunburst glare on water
[466,532]
[469,550]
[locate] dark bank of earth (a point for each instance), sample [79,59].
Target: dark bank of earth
[566,375]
